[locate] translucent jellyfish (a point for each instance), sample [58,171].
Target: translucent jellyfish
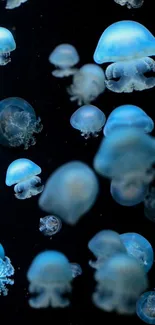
[88,119]
[50,278]
[6,271]
[88,84]
[2,252]
[50,225]
[76,269]
[140,248]
[18,123]
[128,44]
[128,116]
[70,191]
[130,3]
[103,245]
[120,281]
[145,307]
[64,56]
[11,4]
[7,45]
[149,204]
[22,172]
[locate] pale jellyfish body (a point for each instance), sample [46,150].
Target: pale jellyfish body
[145,307]
[7,45]
[50,225]
[11,4]
[76,270]
[6,271]
[130,3]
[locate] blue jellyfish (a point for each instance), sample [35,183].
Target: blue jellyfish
[7,45]
[145,307]
[70,191]
[128,116]
[130,3]
[18,123]
[140,248]
[88,84]
[128,44]
[22,172]
[11,4]
[6,271]
[149,204]
[64,56]
[2,252]
[120,281]
[50,278]
[50,225]
[76,270]
[88,119]
[103,245]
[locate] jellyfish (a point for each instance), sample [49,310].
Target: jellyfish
[120,281]
[11,4]
[149,204]
[22,172]
[128,116]
[6,271]
[70,191]
[7,45]
[103,245]
[64,56]
[130,3]
[50,278]
[88,84]
[18,123]
[50,225]
[88,119]
[76,270]
[128,44]
[145,307]
[140,248]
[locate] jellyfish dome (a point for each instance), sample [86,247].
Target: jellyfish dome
[7,45]
[145,307]
[11,4]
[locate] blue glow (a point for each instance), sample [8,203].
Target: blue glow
[11,4]
[6,271]
[7,45]
[2,252]
[130,3]
[145,307]
[50,225]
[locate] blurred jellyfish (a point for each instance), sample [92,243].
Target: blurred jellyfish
[103,245]
[120,281]
[128,44]
[149,204]
[11,4]
[145,307]
[22,172]
[76,270]
[2,252]
[140,248]
[130,3]
[50,278]
[7,45]
[88,119]
[64,56]
[88,84]
[70,191]
[50,225]
[128,116]
[6,271]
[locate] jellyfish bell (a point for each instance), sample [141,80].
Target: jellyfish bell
[11,4]
[7,45]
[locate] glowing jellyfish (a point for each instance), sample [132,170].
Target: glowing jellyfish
[103,245]
[70,191]
[130,3]
[11,4]
[128,116]
[149,204]
[64,56]
[50,225]
[50,278]
[140,248]
[88,119]
[6,271]
[120,281]
[88,84]
[22,172]
[128,44]
[145,307]
[76,270]
[7,45]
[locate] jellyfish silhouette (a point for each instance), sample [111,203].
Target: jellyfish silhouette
[145,307]
[7,45]
[11,4]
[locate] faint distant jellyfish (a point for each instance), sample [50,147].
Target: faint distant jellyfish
[50,225]
[76,270]
[70,191]
[6,271]
[50,278]
[149,204]
[64,56]
[88,84]
[120,281]
[7,45]
[22,172]
[145,307]
[130,3]
[128,116]
[128,44]
[140,248]
[18,123]
[104,245]
[88,119]
[11,4]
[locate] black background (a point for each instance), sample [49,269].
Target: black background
[38,27]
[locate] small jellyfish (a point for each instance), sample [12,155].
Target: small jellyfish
[50,225]
[70,191]
[130,3]
[22,172]
[76,270]
[88,84]
[145,307]
[6,271]
[2,252]
[7,45]
[128,44]
[149,204]
[140,248]
[120,281]
[64,56]
[50,278]
[88,119]
[128,116]
[11,4]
